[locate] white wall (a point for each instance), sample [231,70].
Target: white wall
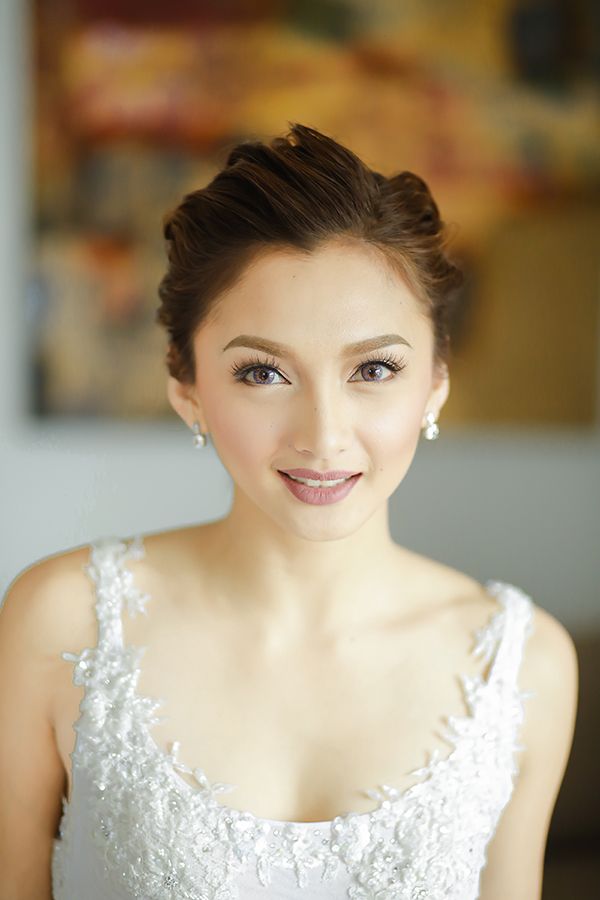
[523,506]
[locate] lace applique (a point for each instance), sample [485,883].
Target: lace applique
[161,838]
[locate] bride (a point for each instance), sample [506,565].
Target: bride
[382,725]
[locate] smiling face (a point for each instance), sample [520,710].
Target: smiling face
[313,402]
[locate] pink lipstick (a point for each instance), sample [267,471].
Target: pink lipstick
[319,496]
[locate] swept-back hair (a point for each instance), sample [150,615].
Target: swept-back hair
[298,192]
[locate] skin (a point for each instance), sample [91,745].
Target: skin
[320,565]
[300,653]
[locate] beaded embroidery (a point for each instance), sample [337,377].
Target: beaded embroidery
[160,838]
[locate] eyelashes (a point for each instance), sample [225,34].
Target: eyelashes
[389,360]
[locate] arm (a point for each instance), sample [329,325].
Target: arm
[515,858]
[32,776]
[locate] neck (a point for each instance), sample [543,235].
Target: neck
[301,580]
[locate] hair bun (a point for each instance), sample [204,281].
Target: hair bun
[416,199]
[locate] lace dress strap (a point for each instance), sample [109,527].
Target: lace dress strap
[115,588]
[114,591]
[503,640]
[496,703]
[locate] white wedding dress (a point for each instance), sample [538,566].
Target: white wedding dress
[134,828]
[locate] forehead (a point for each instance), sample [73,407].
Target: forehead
[333,284]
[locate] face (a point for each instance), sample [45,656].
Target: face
[314,403]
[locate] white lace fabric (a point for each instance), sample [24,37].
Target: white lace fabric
[134,828]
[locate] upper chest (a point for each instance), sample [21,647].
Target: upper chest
[301,730]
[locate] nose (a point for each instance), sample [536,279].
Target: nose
[320,427]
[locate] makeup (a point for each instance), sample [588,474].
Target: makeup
[319,496]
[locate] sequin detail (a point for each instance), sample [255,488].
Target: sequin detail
[158,838]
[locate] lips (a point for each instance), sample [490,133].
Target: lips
[318,476]
[319,494]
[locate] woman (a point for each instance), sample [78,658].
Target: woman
[363,706]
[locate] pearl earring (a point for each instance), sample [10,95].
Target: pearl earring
[431,430]
[199,437]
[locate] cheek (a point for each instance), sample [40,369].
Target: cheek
[239,431]
[392,443]
[395,428]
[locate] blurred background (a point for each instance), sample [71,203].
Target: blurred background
[110,111]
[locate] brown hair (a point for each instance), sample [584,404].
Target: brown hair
[298,192]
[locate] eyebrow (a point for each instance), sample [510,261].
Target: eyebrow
[258,343]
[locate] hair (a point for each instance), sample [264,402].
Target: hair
[298,192]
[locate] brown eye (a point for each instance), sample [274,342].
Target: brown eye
[240,371]
[262,370]
[375,365]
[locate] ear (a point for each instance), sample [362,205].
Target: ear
[439,392]
[184,401]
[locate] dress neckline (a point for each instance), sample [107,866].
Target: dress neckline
[487,641]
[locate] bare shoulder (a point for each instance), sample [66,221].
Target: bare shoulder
[53,597]
[45,611]
[50,602]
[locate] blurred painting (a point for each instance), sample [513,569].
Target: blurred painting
[495,105]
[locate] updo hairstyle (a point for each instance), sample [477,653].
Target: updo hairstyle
[298,192]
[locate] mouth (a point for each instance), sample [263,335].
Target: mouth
[321,492]
[318,482]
